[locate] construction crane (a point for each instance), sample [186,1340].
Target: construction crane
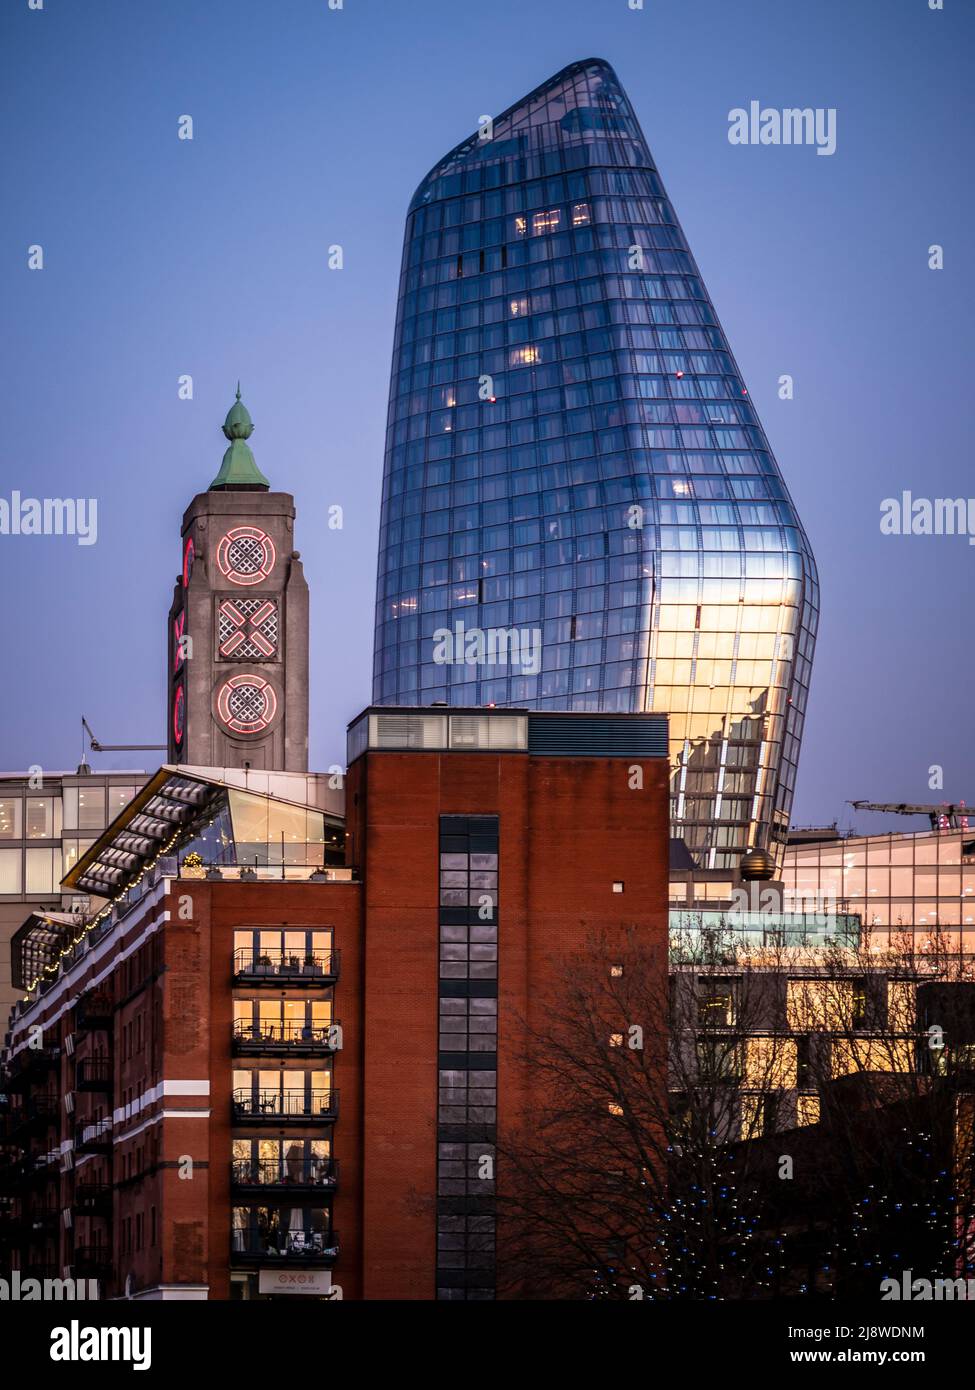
[947,816]
[97,747]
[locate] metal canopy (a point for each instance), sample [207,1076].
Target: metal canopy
[167,802]
[38,943]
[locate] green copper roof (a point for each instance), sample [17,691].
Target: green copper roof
[238,469]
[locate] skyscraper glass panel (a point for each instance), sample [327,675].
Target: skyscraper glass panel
[575,471]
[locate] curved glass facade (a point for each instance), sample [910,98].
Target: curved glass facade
[580,508]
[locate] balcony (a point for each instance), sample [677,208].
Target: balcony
[310,872]
[92,1199]
[285,1108]
[41,1217]
[94,1138]
[36,1113]
[285,1039]
[269,1179]
[285,1247]
[13,1171]
[282,967]
[35,1063]
[93,1011]
[92,1261]
[39,1166]
[94,1074]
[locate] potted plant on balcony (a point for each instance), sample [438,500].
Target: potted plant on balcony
[264,965]
[294,965]
[312,964]
[192,866]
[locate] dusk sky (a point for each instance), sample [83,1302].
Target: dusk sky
[311,127]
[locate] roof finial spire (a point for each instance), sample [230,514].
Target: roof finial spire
[238,471]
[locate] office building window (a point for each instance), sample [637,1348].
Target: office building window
[11,808]
[39,818]
[91,808]
[11,871]
[118,799]
[40,870]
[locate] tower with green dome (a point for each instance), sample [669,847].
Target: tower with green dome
[238,625]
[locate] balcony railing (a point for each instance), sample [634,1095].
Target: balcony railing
[94,1138]
[34,1062]
[321,1106]
[292,872]
[268,1038]
[35,1113]
[297,1247]
[92,1260]
[93,1010]
[269,967]
[94,1074]
[318,1174]
[42,1216]
[92,1198]
[34,1218]
[38,1166]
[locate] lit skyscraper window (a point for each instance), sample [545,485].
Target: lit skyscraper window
[580,507]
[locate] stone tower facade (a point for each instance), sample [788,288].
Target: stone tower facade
[238,625]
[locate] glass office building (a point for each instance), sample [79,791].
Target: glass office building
[901,886]
[580,507]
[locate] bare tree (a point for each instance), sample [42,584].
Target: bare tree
[624,1181]
[742,1122]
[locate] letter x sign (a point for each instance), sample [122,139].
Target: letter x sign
[248,623]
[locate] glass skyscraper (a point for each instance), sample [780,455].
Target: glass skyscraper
[580,507]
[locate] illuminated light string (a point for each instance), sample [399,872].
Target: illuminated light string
[55,966]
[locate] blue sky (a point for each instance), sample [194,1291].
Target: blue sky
[313,127]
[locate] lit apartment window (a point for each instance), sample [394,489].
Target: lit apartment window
[715,1002]
[616,1039]
[580,215]
[616,972]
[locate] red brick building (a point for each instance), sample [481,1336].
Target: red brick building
[260,1071]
